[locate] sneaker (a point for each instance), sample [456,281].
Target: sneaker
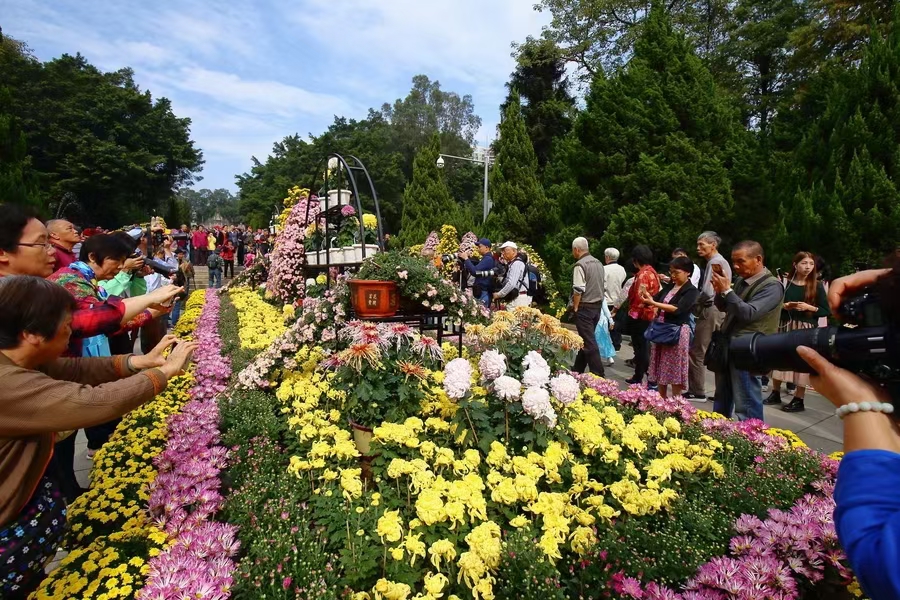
[652,387]
[765,388]
[609,362]
[693,396]
[791,387]
[774,399]
[634,381]
[795,405]
[90,454]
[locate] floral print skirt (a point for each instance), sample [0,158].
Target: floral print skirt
[29,542]
[669,365]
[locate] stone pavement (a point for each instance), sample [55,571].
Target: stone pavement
[817,426]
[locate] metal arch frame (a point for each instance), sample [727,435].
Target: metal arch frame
[359,166]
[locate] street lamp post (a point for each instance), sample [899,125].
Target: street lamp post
[486,162]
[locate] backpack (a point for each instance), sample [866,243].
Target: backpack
[214,261]
[536,284]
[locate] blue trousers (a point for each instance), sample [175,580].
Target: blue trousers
[485,298]
[215,278]
[739,393]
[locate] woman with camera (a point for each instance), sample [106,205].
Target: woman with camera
[867,493]
[41,394]
[670,358]
[805,302]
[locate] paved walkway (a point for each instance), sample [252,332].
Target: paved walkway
[817,425]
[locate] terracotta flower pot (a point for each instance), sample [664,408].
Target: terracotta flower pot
[373,299]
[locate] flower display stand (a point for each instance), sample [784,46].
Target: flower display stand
[336,198]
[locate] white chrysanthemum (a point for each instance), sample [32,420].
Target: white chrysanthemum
[457,378]
[508,388]
[534,360]
[565,388]
[492,365]
[536,377]
[536,403]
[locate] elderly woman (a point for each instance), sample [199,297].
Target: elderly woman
[669,363]
[41,394]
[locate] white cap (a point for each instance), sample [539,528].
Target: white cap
[509,245]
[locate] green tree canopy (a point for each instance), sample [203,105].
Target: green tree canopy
[521,210]
[101,147]
[646,161]
[426,202]
[543,88]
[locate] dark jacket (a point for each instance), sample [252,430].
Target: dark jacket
[684,299]
[485,264]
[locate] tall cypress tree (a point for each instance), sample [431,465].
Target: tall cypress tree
[847,163]
[649,154]
[426,201]
[520,209]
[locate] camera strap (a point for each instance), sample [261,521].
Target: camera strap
[729,321]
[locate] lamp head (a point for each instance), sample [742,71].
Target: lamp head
[440,162]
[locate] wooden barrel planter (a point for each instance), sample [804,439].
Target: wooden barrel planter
[372,299]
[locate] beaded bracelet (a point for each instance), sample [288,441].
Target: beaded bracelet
[882,407]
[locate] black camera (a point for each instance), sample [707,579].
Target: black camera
[156,265]
[867,344]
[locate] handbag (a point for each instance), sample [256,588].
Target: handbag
[666,334]
[716,358]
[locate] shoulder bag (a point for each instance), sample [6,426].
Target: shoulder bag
[666,334]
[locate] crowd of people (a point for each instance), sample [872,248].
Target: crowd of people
[672,311]
[71,310]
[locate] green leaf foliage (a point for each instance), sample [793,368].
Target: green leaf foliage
[521,210]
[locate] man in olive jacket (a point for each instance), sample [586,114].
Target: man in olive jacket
[753,305]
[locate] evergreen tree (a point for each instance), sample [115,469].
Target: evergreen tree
[847,163]
[520,208]
[547,106]
[18,183]
[426,202]
[649,150]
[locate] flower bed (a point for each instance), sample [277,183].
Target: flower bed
[511,478]
[260,323]
[125,530]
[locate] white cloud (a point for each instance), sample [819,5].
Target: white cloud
[248,74]
[258,96]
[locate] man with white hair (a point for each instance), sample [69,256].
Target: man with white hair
[516,277]
[587,301]
[614,277]
[709,318]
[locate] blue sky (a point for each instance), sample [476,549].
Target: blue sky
[249,73]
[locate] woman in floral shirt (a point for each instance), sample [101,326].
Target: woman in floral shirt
[641,314]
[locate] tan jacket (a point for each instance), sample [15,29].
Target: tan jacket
[69,393]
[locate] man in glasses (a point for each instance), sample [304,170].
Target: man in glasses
[25,247]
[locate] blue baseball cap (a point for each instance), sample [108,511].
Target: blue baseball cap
[484,242]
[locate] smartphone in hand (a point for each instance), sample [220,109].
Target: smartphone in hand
[717,269]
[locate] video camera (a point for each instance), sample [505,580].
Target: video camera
[868,343]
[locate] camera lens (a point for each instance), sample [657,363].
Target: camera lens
[758,353]
[852,349]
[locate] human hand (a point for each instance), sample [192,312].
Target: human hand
[720,283]
[839,385]
[849,285]
[156,357]
[645,295]
[133,264]
[165,294]
[178,359]
[805,307]
[790,305]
